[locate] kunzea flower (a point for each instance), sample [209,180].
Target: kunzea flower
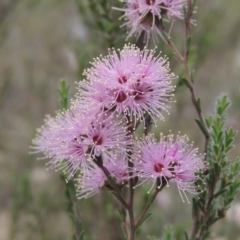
[173,8]
[119,169]
[60,141]
[103,136]
[145,16]
[129,82]
[72,140]
[92,181]
[171,160]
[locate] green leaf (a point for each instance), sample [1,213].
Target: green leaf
[179,83]
[169,233]
[220,137]
[220,192]
[222,104]
[188,43]
[150,200]
[199,103]
[144,219]
[194,207]
[124,231]
[118,198]
[216,150]
[186,235]
[209,121]
[82,235]
[201,126]
[122,214]
[185,13]
[192,74]
[63,94]
[193,5]
[186,82]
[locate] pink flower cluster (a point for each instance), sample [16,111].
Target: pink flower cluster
[171,160]
[147,16]
[128,82]
[72,140]
[119,92]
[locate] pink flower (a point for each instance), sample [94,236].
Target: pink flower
[173,8]
[129,82]
[119,169]
[145,16]
[72,140]
[59,140]
[92,181]
[171,160]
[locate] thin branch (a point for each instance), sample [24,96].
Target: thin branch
[99,162]
[78,228]
[131,204]
[184,60]
[146,209]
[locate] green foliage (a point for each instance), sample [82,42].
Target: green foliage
[102,18]
[73,206]
[63,94]
[168,233]
[220,180]
[171,233]
[144,219]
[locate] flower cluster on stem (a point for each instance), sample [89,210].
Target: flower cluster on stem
[95,139]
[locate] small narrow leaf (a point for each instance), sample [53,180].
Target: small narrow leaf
[186,235]
[124,231]
[193,5]
[122,214]
[63,94]
[199,103]
[194,207]
[209,121]
[201,126]
[150,200]
[143,220]
[186,82]
[118,198]
[192,75]
[188,43]
[219,193]
[82,235]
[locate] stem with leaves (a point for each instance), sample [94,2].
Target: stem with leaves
[144,214]
[184,59]
[221,179]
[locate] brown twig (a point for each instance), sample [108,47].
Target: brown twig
[99,162]
[78,230]
[130,207]
[184,59]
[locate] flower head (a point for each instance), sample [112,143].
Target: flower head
[58,141]
[90,182]
[129,82]
[146,16]
[93,180]
[173,8]
[72,140]
[171,160]
[119,169]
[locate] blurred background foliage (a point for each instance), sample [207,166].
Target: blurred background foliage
[42,41]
